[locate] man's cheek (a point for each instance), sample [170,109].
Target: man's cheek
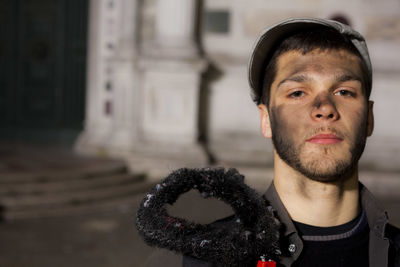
[355,119]
[289,118]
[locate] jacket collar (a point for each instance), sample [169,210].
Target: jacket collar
[376,215]
[273,198]
[290,236]
[377,221]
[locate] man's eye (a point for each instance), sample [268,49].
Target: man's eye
[344,92]
[297,94]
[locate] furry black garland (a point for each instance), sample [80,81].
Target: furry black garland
[252,233]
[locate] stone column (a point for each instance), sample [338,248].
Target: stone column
[171,70]
[111,111]
[125,79]
[98,121]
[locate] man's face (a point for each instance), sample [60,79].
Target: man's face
[318,115]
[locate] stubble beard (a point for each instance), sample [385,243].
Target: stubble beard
[319,168]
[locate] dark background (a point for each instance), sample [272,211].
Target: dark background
[43,67]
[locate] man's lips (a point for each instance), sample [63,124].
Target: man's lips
[325,139]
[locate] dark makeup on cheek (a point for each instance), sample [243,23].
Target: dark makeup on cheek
[287,118]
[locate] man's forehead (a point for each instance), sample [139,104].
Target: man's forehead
[335,62]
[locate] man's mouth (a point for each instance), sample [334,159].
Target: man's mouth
[325,139]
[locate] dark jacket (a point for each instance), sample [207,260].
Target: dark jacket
[384,239]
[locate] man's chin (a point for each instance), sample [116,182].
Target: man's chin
[324,170]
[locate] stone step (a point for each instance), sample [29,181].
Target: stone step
[124,202]
[68,198]
[95,170]
[59,186]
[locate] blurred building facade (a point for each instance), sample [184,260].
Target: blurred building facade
[167,79]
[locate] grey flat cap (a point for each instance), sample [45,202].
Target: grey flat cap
[264,45]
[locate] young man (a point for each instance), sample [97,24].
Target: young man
[311,80]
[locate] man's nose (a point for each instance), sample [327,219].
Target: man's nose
[324,108]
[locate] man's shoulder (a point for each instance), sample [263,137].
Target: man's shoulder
[393,234]
[392,231]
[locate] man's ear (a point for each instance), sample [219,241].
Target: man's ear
[370,119]
[265,121]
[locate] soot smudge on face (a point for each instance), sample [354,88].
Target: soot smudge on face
[281,139]
[317,102]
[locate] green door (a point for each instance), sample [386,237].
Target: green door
[42,69]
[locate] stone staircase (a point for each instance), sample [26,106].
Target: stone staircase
[67,191]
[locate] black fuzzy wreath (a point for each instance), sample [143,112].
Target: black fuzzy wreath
[253,232]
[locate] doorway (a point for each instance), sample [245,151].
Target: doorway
[43,47]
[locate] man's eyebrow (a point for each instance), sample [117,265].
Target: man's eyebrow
[296,78]
[347,77]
